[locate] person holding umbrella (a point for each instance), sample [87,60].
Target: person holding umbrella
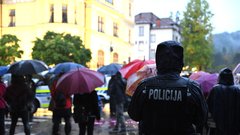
[62,104]
[117,86]
[19,95]
[86,110]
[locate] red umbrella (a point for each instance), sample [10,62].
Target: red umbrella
[133,80]
[133,67]
[82,80]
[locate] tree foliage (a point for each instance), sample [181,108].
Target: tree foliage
[60,47]
[9,49]
[196,35]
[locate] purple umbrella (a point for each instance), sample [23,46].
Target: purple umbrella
[207,81]
[82,80]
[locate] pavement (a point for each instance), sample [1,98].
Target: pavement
[42,125]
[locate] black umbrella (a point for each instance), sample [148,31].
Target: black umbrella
[27,67]
[110,69]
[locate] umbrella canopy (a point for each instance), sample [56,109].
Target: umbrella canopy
[236,69]
[206,80]
[145,72]
[3,70]
[65,67]
[27,67]
[198,74]
[110,69]
[81,80]
[133,67]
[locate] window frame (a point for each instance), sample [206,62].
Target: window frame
[141,31]
[100,24]
[64,13]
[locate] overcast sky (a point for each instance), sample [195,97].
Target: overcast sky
[226,12]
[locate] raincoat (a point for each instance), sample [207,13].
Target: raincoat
[224,104]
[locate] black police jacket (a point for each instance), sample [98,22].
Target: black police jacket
[168,104]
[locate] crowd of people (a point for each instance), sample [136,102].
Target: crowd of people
[167,103]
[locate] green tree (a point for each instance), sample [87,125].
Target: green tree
[197,35]
[9,49]
[60,47]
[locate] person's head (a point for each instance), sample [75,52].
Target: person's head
[169,57]
[226,77]
[117,75]
[16,79]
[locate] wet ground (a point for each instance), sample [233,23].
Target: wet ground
[42,124]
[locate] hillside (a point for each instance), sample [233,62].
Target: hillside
[226,49]
[229,42]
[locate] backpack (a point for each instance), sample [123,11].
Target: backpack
[60,99]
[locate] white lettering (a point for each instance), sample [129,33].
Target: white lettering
[150,93]
[165,94]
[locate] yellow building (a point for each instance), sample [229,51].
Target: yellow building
[105,26]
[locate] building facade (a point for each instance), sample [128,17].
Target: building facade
[105,26]
[150,30]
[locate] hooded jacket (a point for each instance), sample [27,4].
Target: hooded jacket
[224,104]
[116,88]
[168,103]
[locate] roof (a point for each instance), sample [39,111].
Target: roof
[146,18]
[154,21]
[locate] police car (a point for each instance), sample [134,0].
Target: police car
[42,97]
[103,91]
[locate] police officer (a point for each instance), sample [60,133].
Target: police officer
[168,104]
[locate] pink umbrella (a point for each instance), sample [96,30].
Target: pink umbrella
[82,80]
[198,74]
[207,81]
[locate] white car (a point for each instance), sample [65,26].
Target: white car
[103,90]
[42,97]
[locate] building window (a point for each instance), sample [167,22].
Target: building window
[75,14]
[64,14]
[141,31]
[153,38]
[115,58]
[100,24]
[100,58]
[109,1]
[115,29]
[51,13]
[12,18]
